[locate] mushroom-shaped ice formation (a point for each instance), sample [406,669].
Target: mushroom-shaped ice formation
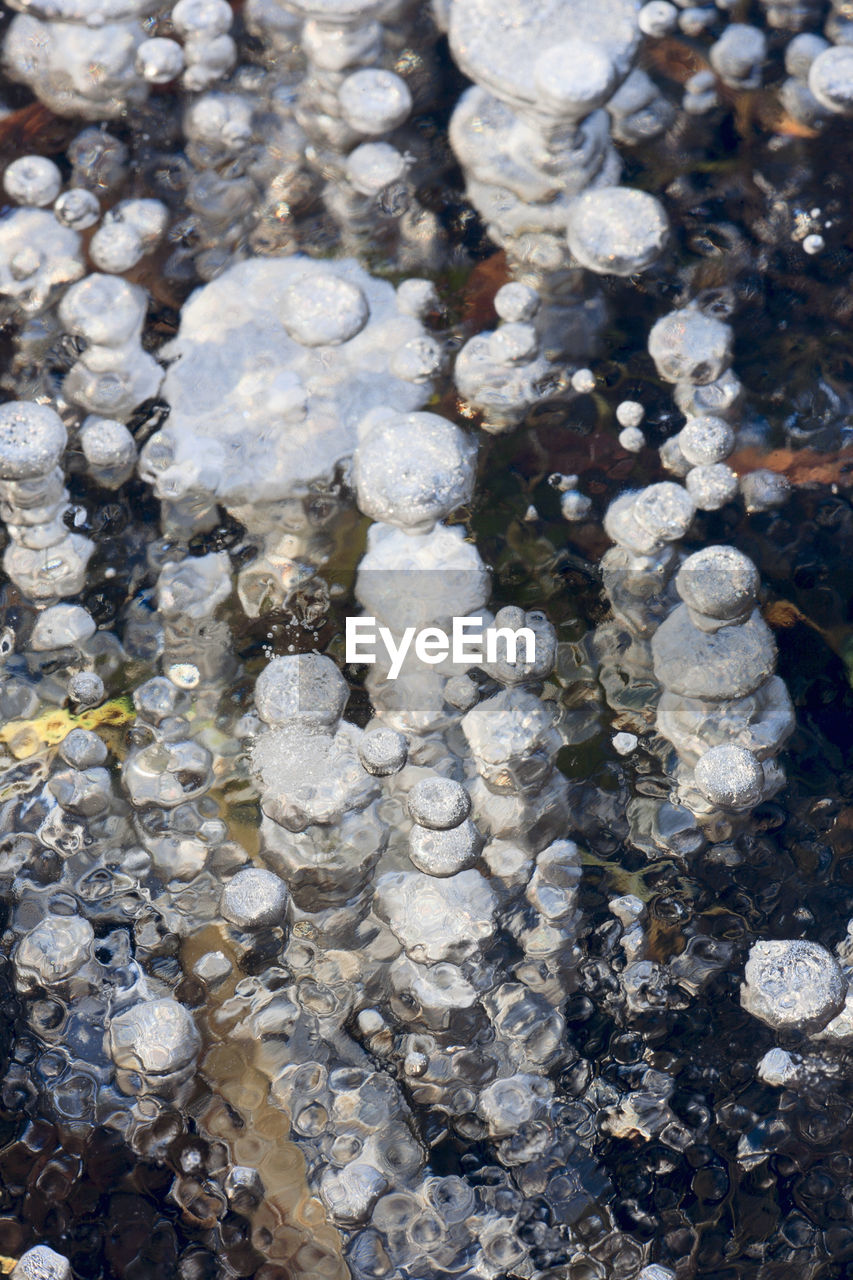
[616,230]
[311,351]
[52,953]
[730,662]
[730,777]
[722,708]
[374,101]
[705,440]
[254,898]
[78,56]
[793,985]
[831,79]
[438,803]
[413,469]
[41,1263]
[109,450]
[305,688]
[383,751]
[437,918]
[77,208]
[37,256]
[719,585]
[739,54]
[499,45]
[113,374]
[44,559]
[32,180]
[689,346]
[61,626]
[155,1042]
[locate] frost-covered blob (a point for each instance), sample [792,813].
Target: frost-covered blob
[795,985]
[310,347]
[37,255]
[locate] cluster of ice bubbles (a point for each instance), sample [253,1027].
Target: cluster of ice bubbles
[392,952]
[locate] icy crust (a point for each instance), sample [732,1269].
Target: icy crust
[37,255]
[498,44]
[274,364]
[77,70]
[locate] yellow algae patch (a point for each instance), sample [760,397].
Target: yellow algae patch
[26,738]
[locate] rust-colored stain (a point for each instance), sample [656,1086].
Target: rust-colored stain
[478,294]
[674,59]
[840,834]
[801,466]
[33,129]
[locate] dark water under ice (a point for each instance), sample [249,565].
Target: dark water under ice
[783,1210]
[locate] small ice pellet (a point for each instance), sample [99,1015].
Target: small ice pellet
[625,743]
[417,297]
[439,803]
[513,343]
[116,247]
[86,688]
[657,18]
[814,244]
[159,60]
[461,692]
[32,180]
[374,101]
[383,751]
[632,439]
[516,302]
[213,17]
[77,208]
[575,506]
[630,413]
[583,381]
[694,20]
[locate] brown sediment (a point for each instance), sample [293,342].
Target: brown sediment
[801,466]
[289,1226]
